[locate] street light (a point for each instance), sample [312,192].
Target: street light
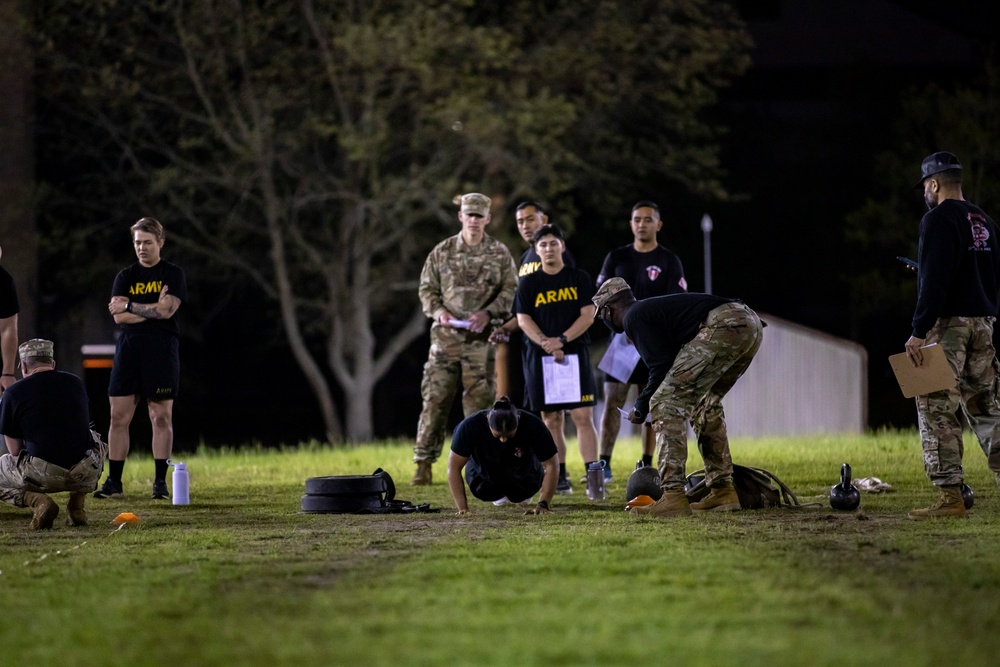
[706,228]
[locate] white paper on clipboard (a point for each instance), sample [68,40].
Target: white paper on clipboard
[561,380]
[620,359]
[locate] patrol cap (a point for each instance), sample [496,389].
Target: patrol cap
[935,163]
[475,203]
[36,347]
[611,287]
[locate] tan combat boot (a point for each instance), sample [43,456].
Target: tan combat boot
[46,510]
[75,514]
[673,503]
[719,499]
[948,504]
[423,474]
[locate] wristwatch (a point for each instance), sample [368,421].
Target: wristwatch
[128,306]
[562,339]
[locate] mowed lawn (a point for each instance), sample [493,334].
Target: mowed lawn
[241,577]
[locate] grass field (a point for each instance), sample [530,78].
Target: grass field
[240,577]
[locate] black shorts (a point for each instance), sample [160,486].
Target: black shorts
[514,489]
[146,365]
[534,383]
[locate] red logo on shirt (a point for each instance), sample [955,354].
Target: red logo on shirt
[979,232]
[653,272]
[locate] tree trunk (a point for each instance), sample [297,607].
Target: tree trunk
[359,410]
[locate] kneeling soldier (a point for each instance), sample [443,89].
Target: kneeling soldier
[45,421]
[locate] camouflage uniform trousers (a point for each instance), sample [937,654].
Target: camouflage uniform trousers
[454,354]
[27,473]
[705,369]
[968,346]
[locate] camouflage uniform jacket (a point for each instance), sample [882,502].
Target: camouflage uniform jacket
[463,279]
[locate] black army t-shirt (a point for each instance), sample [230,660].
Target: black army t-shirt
[8,295]
[518,459]
[554,301]
[655,273]
[143,284]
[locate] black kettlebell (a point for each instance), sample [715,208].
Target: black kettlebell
[844,496]
[644,480]
[967,496]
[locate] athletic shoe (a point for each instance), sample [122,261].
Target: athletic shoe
[110,489]
[160,491]
[502,501]
[564,488]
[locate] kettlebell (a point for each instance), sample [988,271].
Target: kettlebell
[644,480]
[967,496]
[844,496]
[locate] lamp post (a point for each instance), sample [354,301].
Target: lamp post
[706,228]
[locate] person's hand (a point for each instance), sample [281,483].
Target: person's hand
[559,356]
[162,299]
[913,350]
[538,509]
[6,381]
[478,321]
[444,319]
[461,512]
[117,305]
[636,417]
[499,336]
[551,345]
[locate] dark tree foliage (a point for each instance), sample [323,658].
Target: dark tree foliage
[314,148]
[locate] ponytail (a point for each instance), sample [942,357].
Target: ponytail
[503,416]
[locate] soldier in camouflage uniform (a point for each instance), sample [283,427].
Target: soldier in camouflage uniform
[466,287]
[958,277]
[696,347]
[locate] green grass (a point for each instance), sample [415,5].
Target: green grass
[240,577]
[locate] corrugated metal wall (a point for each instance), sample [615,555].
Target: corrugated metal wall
[801,382]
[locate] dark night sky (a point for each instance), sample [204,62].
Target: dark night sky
[816,106]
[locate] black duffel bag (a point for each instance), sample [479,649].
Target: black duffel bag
[756,487]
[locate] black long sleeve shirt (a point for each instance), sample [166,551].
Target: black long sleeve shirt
[660,326]
[959,256]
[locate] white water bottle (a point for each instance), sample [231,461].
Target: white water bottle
[595,481]
[182,491]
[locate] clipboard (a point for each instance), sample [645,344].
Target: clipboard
[934,375]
